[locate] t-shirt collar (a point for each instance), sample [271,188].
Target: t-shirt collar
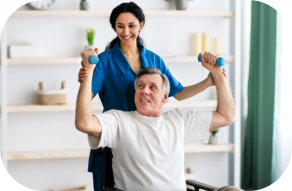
[147,118]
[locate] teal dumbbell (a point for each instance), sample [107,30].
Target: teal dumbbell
[220,61]
[93,59]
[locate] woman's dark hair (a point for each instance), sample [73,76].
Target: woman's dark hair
[130,7]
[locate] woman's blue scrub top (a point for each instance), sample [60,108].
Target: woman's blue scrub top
[113,79]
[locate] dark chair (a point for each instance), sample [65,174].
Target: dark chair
[199,185]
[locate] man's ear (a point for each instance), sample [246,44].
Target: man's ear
[165,96]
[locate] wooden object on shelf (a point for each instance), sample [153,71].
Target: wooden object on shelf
[216,45]
[75,188]
[51,97]
[197,43]
[205,42]
[22,51]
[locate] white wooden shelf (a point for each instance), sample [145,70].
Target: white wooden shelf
[49,154]
[77,60]
[209,148]
[207,104]
[46,108]
[44,60]
[83,153]
[77,13]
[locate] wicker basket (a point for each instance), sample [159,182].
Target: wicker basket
[51,97]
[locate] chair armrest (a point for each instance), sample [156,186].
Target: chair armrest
[199,185]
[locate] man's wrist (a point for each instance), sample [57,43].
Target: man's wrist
[218,76]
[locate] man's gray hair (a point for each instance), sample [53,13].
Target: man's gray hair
[152,70]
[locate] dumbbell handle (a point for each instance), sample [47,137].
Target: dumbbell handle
[93,59]
[220,61]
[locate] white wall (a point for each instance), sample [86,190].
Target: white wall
[65,36]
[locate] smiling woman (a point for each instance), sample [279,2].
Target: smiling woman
[128,28]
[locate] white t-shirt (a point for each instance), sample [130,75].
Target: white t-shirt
[148,152]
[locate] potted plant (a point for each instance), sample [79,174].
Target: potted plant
[84,5]
[213,137]
[180,4]
[90,37]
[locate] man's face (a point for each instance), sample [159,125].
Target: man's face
[149,95]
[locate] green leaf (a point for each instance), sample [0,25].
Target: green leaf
[214,132]
[90,35]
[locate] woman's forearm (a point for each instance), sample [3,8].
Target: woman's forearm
[192,90]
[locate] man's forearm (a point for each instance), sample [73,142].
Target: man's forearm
[225,102]
[83,104]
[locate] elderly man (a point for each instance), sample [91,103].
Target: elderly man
[148,145]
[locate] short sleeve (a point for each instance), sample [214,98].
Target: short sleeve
[109,129]
[197,125]
[175,85]
[98,76]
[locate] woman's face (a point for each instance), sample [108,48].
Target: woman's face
[127,28]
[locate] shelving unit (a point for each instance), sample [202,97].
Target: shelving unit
[83,153]
[98,106]
[77,60]
[166,13]
[233,58]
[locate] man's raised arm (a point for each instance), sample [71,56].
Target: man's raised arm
[224,113]
[84,120]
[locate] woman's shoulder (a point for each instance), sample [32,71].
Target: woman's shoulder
[105,54]
[151,53]
[153,57]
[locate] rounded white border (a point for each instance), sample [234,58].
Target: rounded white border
[283,6]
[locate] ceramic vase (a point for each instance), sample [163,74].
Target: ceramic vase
[84,5]
[181,4]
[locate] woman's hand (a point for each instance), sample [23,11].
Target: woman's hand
[210,80]
[83,73]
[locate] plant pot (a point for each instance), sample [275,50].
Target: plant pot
[89,46]
[181,4]
[84,5]
[213,140]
